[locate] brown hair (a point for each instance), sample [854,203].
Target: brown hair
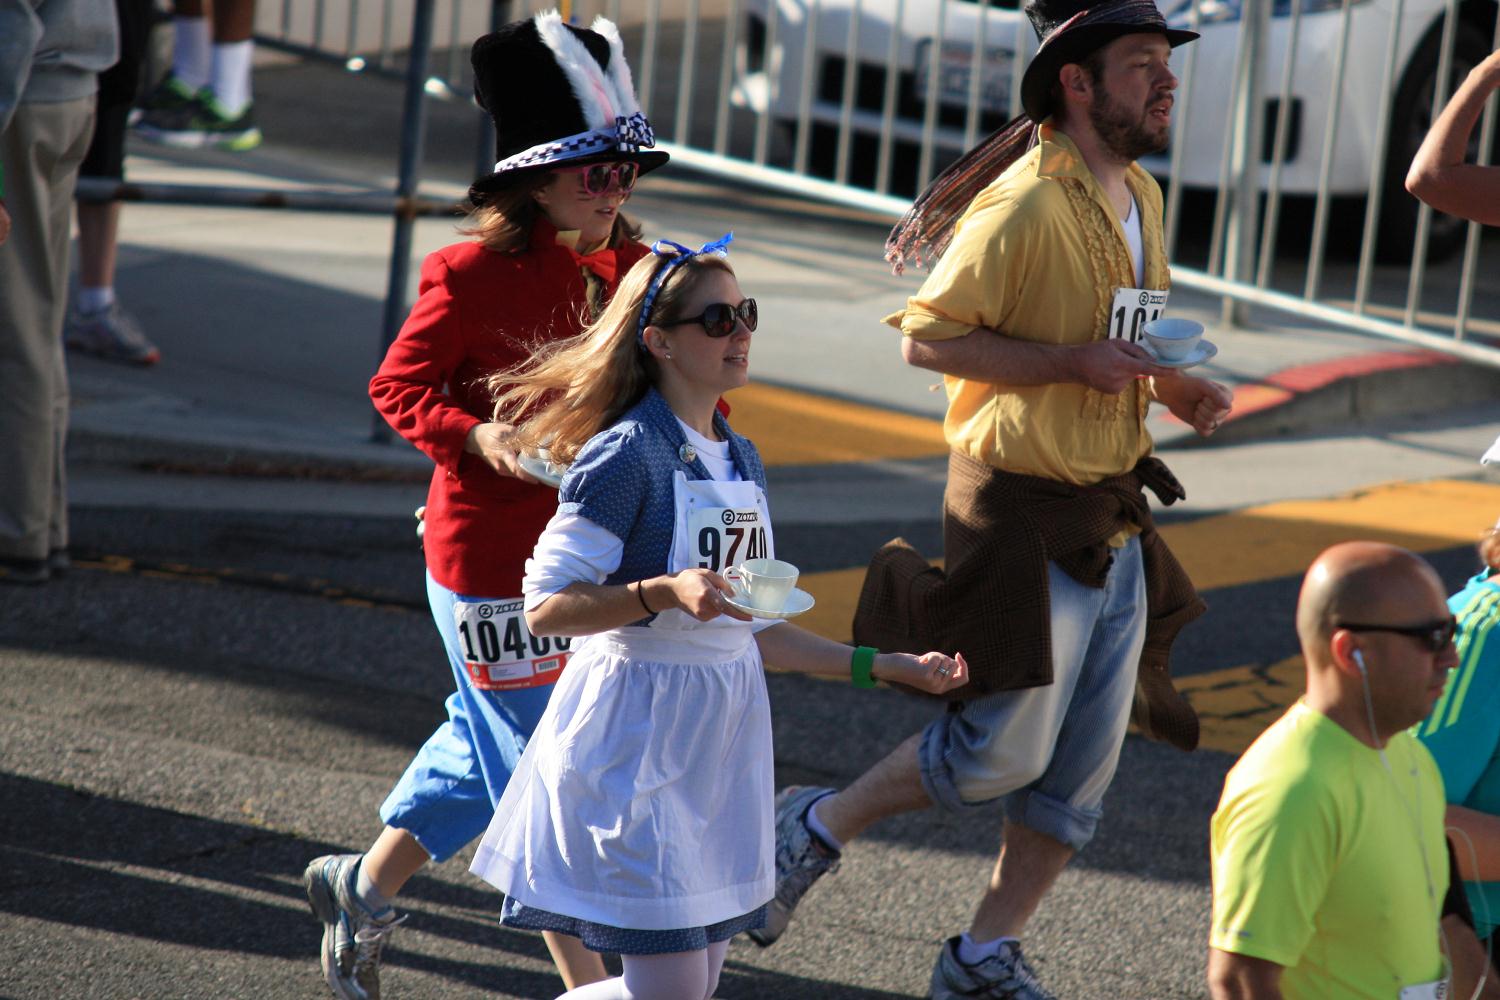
[503,223]
[571,389]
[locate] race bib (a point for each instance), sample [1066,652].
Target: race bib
[1132,309]
[1426,991]
[727,536]
[499,652]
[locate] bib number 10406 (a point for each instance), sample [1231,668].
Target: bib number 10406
[499,652]
[1132,309]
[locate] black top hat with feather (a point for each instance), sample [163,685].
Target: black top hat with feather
[1070,30]
[559,96]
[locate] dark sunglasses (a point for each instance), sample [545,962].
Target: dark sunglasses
[1434,635]
[602,178]
[719,319]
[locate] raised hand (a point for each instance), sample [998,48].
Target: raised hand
[934,673]
[1111,365]
[491,442]
[1201,404]
[701,593]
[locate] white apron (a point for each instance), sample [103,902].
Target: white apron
[644,798]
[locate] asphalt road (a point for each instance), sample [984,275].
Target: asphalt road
[181,733]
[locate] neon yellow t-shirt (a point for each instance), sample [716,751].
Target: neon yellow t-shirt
[1317,861]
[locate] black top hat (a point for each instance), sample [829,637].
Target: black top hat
[1071,29]
[559,96]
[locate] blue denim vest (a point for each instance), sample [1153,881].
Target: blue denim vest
[622,481]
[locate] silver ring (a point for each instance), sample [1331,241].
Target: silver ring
[943,670]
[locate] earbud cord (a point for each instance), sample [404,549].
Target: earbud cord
[1484,905]
[1416,825]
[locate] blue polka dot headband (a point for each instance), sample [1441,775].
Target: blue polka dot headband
[676,254]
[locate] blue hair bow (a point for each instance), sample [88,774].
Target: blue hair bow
[676,254]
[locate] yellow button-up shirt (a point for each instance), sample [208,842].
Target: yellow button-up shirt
[1038,256]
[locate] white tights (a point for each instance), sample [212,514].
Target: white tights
[682,975]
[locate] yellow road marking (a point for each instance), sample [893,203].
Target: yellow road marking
[1266,542]
[799,428]
[1236,704]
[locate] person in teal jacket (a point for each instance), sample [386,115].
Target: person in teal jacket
[1463,734]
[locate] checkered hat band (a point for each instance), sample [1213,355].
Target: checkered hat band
[629,135]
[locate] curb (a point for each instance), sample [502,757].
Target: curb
[1344,393]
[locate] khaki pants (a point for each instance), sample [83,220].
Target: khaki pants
[41,151]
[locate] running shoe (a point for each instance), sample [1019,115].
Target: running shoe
[14,569]
[1001,976]
[170,95]
[352,938]
[112,334]
[801,859]
[203,124]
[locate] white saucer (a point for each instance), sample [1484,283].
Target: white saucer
[545,472]
[1203,352]
[797,602]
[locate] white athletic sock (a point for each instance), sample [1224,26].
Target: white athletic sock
[371,898]
[191,51]
[231,75]
[816,826]
[93,300]
[971,952]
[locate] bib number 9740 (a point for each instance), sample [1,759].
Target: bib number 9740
[499,652]
[727,536]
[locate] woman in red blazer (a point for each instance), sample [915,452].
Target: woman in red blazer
[549,247]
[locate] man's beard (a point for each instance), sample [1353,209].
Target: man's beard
[1123,134]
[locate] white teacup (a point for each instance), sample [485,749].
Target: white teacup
[764,584]
[1173,339]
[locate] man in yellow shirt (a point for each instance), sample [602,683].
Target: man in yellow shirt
[1051,557]
[1329,863]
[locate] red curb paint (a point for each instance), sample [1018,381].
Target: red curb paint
[1281,387]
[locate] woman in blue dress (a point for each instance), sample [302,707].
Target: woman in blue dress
[640,816]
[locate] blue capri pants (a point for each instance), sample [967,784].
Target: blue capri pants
[447,796]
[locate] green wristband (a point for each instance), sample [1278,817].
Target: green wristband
[861,667]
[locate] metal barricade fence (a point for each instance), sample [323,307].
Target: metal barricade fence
[1284,128]
[1295,123]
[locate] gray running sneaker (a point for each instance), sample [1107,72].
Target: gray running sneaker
[1003,976]
[111,334]
[352,938]
[801,859]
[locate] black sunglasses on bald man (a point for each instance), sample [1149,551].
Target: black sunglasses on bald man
[1434,635]
[719,319]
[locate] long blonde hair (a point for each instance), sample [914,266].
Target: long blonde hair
[505,220]
[571,389]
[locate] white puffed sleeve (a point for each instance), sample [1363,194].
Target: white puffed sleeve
[572,548]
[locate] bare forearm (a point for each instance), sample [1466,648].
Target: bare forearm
[1477,843]
[586,608]
[983,355]
[1239,977]
[787,647]
[986,356]
[1438,174]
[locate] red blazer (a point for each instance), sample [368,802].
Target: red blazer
[477,312]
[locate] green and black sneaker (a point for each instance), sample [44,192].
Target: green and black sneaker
[202,124]
[170,96]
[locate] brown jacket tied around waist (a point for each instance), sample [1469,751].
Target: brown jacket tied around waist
[990,602]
